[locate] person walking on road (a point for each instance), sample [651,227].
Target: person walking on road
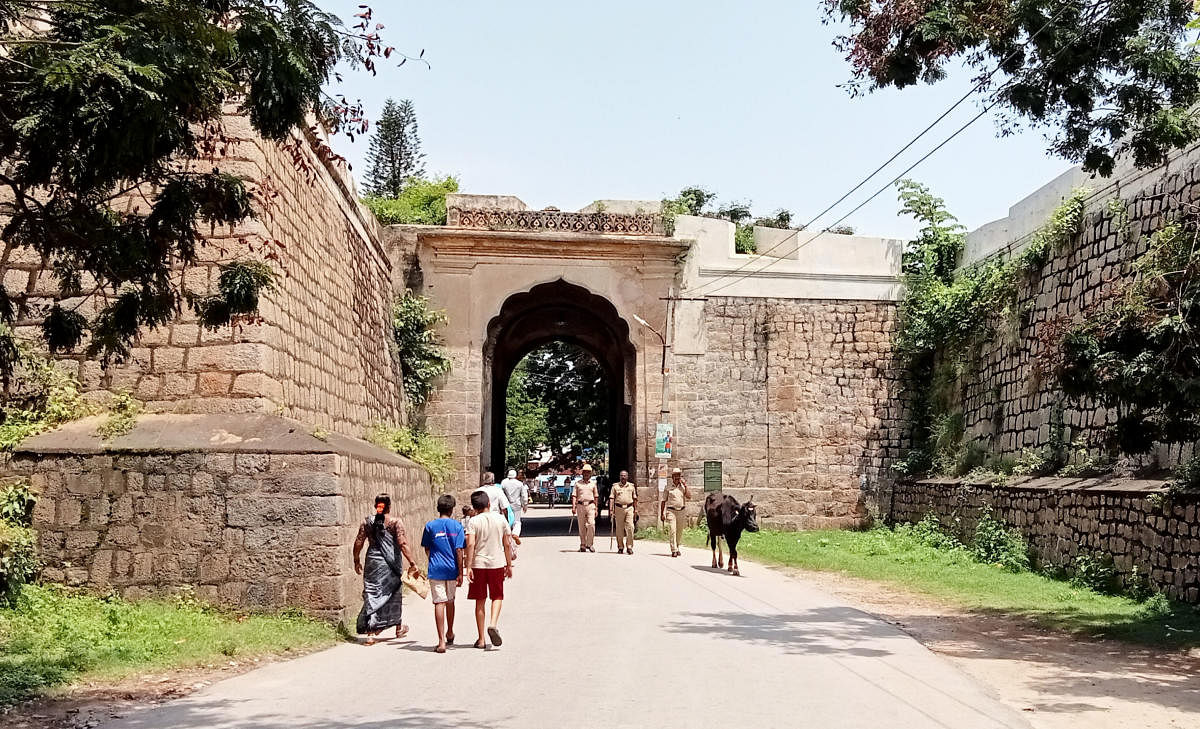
[670,510]
[382,588]
[444,540]
[583,506]
[489,562]
[518,497]
[499,502]
[622,505]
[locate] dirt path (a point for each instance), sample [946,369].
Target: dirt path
[1056,680]
[87,704]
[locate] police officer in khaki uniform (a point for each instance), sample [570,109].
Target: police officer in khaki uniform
[583,506]
[622,505]
[670,511]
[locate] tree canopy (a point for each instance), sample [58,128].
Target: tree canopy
[525,428]
[1103,77]
[394,156]
[100,101]
[696,200]
[559,389]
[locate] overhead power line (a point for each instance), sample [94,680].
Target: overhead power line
[908,145]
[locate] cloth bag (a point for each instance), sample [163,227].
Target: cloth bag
[418,584]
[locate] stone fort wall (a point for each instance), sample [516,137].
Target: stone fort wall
[1006,403]
[264,519]
[247,478]
[1146,536]
[319,351]
[799,400]
[1009,406]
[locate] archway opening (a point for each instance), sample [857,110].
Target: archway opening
[558,410]
[575,339]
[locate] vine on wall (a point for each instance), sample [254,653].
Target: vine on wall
[948,313]
[1137,351]
[423,360]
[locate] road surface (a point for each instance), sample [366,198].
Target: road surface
[613,641]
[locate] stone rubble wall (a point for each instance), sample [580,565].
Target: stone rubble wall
[799,400]
[251,530]
[320,352]
[1061,518]
[1007,404]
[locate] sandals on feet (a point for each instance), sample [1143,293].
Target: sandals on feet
[494,634]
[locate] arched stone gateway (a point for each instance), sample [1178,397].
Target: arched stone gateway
[537,278]
[780,364]
[560,311]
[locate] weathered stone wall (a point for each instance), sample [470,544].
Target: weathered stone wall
[1007,404]
[1063,518]
[264,519]
[320,351]
[798,399]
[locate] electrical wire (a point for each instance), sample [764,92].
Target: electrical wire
[978,85]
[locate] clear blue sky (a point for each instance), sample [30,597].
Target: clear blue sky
[561,103]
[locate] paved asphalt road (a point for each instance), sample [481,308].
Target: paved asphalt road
[611,641]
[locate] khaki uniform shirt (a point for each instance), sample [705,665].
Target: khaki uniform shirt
[623,495]
[675,498]
[585,491]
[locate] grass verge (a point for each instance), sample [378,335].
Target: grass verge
[52,636]
[952,576]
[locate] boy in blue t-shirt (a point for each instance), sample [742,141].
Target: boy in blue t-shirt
[443,541]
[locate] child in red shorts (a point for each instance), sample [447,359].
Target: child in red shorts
[489,562]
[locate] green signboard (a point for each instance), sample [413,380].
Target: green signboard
[712,475]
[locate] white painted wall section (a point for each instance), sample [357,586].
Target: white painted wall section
[796,264]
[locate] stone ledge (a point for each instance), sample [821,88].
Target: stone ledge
[1138,486]
[218,433]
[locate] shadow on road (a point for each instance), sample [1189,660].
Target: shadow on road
[543,522]
[222,713]
[819,631]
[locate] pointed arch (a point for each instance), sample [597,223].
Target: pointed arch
[559,311]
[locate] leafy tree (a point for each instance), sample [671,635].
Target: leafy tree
[421,202]
[780,219]
[569,383]
[934,252]
[110,115]
[422,358]
[695,199]
[734,212]
[394,155]
[525,429]
[1106,76]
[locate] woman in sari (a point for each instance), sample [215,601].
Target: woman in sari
[381,573]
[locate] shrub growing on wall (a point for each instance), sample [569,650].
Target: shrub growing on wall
[420,202]
[422,358]
[1138,352]
[947,312]
[419,446]
[18,556]
[39,397]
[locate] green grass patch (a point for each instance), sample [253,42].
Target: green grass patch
[52,636]
[953,576]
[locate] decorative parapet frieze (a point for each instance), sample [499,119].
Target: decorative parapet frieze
[555,220]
